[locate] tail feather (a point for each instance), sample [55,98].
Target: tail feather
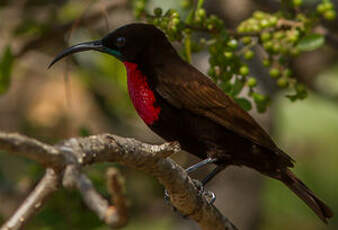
[303,192]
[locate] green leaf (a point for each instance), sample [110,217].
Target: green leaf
[311,42]
[6,63]
[244,103]
[237,87]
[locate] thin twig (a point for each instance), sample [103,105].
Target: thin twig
[115,186]
[47,185]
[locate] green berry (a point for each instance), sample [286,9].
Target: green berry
[201,13]
[293,36]
[140,5]
[228,55]
[282,82]
[278,35]
[249,54]
[174,13]
[321,8]
[266,62]
[265,36]
[259,15]
[175,21]
[258,97]
[268,45]
[256,28]
[327,6]
[186,4]
[264,23]
[241,28]
[210,27]
[274,72]
[156,21]
[246,40]
[233,43]
[252,21]
[297,3]
[273,21]
[330,15]
[244,70]
[158,12]
[252,82]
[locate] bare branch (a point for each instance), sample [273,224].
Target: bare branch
[48,184]
[78,152]
[35,150]
[182,191]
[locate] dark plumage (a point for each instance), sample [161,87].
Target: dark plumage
[191,109]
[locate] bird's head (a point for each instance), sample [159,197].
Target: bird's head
[127,43]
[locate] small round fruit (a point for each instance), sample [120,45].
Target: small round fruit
[252,82]
[244,70]
[274,72]
[233,43]
[297,3]
[282,82]
[330,15]
[249,54]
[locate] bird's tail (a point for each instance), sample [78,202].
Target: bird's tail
[303,192]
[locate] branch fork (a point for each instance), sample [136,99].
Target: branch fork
[64,163]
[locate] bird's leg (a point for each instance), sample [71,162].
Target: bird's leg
[209,177]
[213,173]
[200,164]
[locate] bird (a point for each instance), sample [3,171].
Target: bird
[179,103]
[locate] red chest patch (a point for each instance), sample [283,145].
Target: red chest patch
[141,95]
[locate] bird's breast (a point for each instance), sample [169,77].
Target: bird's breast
[142,96]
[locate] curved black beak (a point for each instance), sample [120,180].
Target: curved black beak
[94,45]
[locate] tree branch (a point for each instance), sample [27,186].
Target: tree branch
[47,185]
[33,149]
[75,153]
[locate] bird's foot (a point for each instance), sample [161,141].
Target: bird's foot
[210,196]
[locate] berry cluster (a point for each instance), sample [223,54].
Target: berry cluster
[326,9]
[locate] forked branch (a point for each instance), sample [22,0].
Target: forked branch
[65,161]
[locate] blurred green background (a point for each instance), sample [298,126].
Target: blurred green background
[87,95]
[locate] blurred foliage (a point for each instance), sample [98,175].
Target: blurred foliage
[6,63]
[296,123]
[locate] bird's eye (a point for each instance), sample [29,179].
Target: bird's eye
[120,41]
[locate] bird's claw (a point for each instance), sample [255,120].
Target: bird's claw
[210,196]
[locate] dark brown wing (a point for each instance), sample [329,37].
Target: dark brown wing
[191,90]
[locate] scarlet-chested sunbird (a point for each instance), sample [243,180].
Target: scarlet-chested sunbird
[180,103]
